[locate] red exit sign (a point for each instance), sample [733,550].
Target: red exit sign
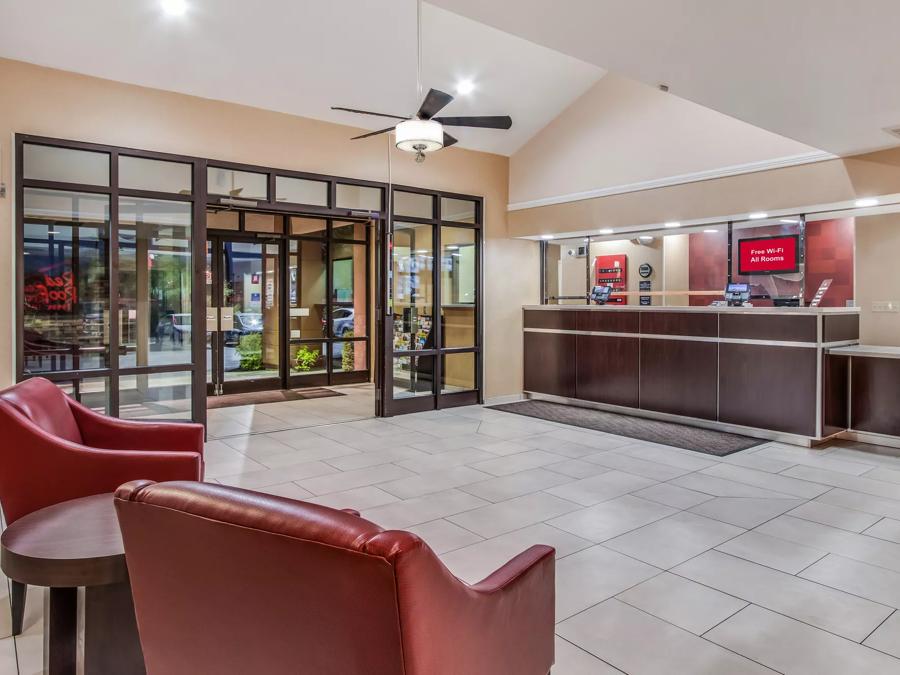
[769,255]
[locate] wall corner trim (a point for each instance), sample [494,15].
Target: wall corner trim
[695,177]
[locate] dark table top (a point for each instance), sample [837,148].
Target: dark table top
[74,543]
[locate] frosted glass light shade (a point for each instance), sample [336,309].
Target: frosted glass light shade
[419,135]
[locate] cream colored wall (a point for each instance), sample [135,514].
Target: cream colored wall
[54,103]
[622,132]
[675,269]
[638,254]
[877,277]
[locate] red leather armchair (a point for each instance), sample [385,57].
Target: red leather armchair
[55,449]
[230,581]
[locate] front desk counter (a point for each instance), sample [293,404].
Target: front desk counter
[760,371]
[874,385]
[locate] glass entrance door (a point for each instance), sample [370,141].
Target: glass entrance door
[244,322]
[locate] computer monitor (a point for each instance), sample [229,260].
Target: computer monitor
[737,288]
[737,294]
[600,294]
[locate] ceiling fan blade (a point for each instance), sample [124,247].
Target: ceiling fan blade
[368,112]
[434,102]
[485,122]
[449,140]
[373,133]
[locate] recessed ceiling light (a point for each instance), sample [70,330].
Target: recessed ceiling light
[174,7]
[710,231]
[673,223]
[465,87]
[789,221]
[587,238]
[866,201]
[758,215]
[646,237]
[546,236]
[422,250]
[607,230]
[453,247]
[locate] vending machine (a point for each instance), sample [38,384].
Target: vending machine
[612,270]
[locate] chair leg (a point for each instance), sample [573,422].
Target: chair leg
[17,605]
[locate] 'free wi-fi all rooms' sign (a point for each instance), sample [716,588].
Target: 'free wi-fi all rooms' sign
[769,255]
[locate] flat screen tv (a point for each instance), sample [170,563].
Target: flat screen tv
[778,254]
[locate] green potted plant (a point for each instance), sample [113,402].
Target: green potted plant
[306,359]
[250,350]
[347,356]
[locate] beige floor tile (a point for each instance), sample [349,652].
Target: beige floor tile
[596,489]
[779,554]
[422,509]
[611,518]
[443,536]
[515,485]
[496,519]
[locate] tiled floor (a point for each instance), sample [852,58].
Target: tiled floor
[775,559]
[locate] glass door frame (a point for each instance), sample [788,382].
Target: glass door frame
[436,400]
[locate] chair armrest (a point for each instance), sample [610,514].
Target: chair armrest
[518,567]
[101,431]
[38,469]
[352,512]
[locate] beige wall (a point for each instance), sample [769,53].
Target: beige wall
[48,102]
[878,278]
[675,270]
[622,132]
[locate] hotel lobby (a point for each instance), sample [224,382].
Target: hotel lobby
[449,338]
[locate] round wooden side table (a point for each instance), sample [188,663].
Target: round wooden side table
[64,547]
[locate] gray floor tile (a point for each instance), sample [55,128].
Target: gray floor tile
[572,660]
[596,489]
[835,516]
[434,481]
[672,495]
[347,480]
[295,472]
[495,519]
[576,468]
[422,509]
[883,473]
[640,644]
[474,562]
[852,576]
[886,637]
[445,460]
[685,603]
[673,540]
[720,487]
[443,536]
[611,518]
[637,466]
[593,575]
[744,512]
[794,648]
[881,506]
[886,528]
[826,608]
[779,554]
[504,466]
[812,457]
[361,498]
[515,485]
[682,459]
[832,540]
[862,484]
[779,483]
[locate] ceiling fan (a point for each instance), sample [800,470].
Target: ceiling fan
[423,132]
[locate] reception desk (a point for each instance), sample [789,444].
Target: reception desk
[764,372]
[873,383]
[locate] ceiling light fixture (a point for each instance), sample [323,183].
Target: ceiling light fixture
[546,236]
[758,215]
[174,7]
[419,136]
[465,87]
[866,201]
[789,221]
[673,223]
[711,231]
[607,230]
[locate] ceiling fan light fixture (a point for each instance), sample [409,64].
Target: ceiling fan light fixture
[419,136]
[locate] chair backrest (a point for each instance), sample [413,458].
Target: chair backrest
[45,405]
[231,581]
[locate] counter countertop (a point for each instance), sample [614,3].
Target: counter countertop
[873,351]
[803,311]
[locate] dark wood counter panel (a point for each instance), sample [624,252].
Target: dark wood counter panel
[764,369]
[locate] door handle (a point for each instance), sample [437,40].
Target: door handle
[226,317]
[212,319]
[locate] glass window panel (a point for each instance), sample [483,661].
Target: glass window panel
[413,204]
[66,281]
[263,222]
[458,286]
[309,227]
[457,372]
[765,288]
[413,376]
[155,396]
[155,274]
[307,289]
[65,165]
[566,281]
[237,184]
[138,173]
[412,265]
[223,220]
[458,210]
[90,391]
[349,356]
[358,197]
[308,358]
[252,290]
[348,290]
[346,230]
[301,191]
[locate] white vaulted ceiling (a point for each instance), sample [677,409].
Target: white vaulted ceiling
[823,72]
[303,56]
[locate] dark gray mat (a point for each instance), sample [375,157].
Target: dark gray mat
[706,441]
